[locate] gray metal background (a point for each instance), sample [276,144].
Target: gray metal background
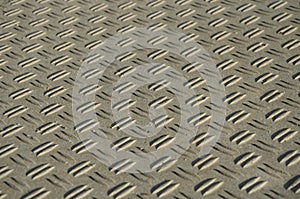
[253,43]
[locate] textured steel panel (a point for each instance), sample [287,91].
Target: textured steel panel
[51,61]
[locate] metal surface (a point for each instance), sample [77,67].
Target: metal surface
[255,48]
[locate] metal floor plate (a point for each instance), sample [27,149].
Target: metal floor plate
[73,98]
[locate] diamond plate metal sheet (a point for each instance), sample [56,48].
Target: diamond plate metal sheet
[255,47]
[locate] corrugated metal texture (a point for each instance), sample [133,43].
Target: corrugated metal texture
[255,47]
